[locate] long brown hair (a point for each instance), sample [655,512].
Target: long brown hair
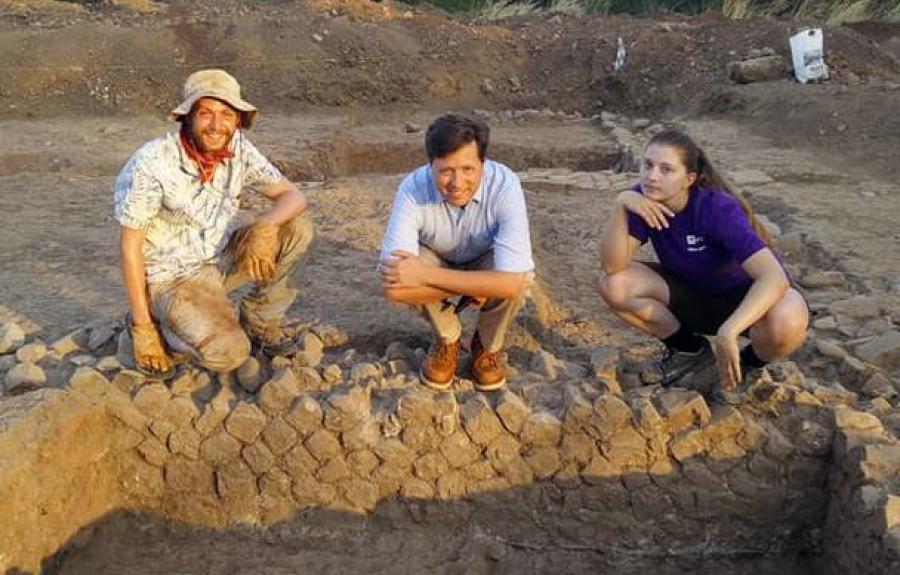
[696,161]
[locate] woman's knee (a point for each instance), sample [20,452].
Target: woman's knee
[785,326]
[614,288]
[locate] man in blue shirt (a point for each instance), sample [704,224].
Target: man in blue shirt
[459,227]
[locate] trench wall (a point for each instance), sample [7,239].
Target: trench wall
[662,471]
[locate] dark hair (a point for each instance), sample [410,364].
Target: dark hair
[450,132]
[696,162]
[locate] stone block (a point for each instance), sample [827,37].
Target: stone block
[180,411]
[878,385]
[778,446]
[308,492]
[31,352]
[649,422]
[725,422]
[277,394]
[219,448]
[185,475]
[578,447]
[605,363]
[541,429]
[279,436]
[431,466]
[213,415]
[611,415]
[847,418]
[153,452]
[258,457]
[125,412]
[299,462]
[517,472]
[250,375]
[600,471]
[12,337]
[190,382]
[69,343]
[880,463]
[762,69]
[389,479]
[813,438]
[162,429]
[310,380]
[451,486]
[415,488]
[186,442]
[502,450]
[305,415]
[543,461]
[334,470]
[362,463]
[359,493]
[857,308]
[235,480]
[459,450]
[323,445]
[127,380]
[545,364]
[345,409]
[479,471]
[688,444]
[626,449]
[332,373]
[89,381]
[579,410]
[245,422]
[479,420]
[7,362]
[364,435]
[421,438]
[418,406]
[890,513]
[883,351]
[275,483]
[362,372]
[393,452]
[152,399]
[682,409]
[752,436]
[512,411]
[24,377]
[99,335]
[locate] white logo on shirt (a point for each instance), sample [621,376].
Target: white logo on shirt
[695,243]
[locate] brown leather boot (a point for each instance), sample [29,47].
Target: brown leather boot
[439,367]
[488,370]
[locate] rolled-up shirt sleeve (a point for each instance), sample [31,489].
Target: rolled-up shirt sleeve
[402,231]
[512,244]
[259,172]
[138,197]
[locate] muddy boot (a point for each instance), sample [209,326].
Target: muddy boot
[273,342]
[439,368]
[488,370]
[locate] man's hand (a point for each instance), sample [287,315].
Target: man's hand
[728,359]
[404,271]
[149,351]
[256,247]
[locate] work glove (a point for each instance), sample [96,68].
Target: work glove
[149,351]
[255,249]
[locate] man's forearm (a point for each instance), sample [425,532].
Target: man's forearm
[288,205]
[417,295]
[133,274]
[478,283]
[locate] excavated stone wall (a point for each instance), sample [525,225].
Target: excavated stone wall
[796,469]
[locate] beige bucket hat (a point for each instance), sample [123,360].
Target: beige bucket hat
[217,84]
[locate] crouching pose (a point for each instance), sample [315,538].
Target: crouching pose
[459,227]
[183,248]
[716,274]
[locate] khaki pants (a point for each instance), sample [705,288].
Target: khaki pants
[196,316]
[493,318]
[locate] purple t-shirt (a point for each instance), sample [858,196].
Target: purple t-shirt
[706,243]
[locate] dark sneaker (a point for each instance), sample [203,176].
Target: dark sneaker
[439,367]
[674,365]
[488,370]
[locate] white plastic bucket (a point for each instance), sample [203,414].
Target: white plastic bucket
[808,55]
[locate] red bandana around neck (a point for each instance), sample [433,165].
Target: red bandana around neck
[206,161]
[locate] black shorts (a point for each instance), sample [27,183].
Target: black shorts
[700,312]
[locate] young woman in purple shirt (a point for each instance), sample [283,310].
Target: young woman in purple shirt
[716,273]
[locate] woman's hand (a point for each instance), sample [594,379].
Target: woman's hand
[728,359]
[655,214]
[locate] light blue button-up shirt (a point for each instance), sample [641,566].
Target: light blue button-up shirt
[494,219]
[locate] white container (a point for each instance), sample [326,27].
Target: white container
[808,55]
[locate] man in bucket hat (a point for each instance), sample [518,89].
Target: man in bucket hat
[183,247]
